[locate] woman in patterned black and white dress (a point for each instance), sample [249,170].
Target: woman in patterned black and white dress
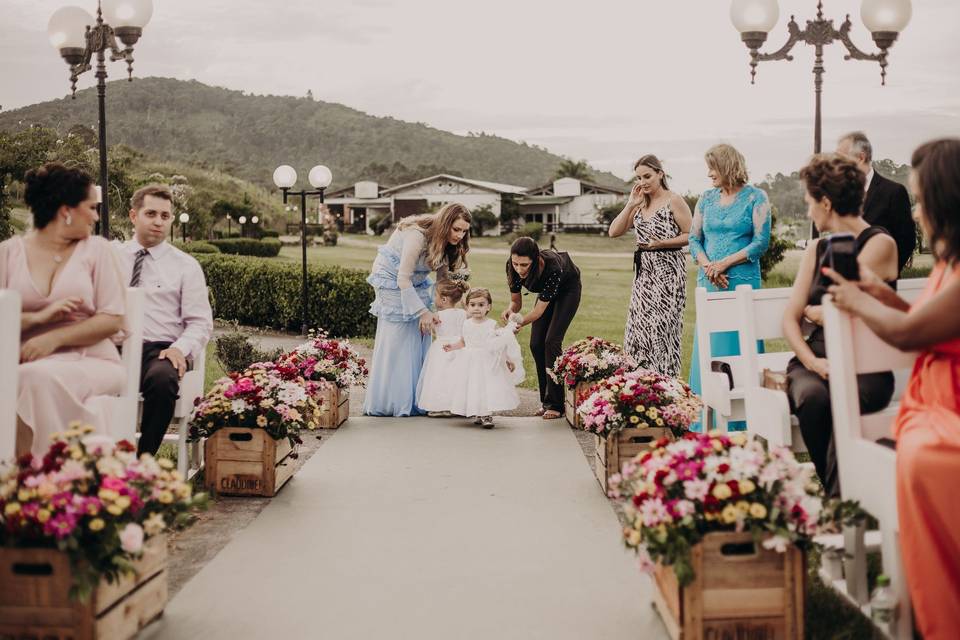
[661,220]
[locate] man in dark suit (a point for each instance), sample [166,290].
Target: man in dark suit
[887,203]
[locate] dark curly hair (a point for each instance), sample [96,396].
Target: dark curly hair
[937,167]
[830,176]
[51,186]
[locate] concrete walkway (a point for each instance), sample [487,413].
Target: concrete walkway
[420,528]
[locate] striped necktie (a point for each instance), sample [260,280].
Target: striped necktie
[138,267]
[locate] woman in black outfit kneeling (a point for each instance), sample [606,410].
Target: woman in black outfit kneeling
[554,276]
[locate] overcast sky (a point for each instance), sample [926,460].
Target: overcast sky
[605,80]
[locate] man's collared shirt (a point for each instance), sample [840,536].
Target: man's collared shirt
[866,187]
[177,308]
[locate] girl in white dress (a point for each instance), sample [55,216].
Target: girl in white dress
[484,377]
[433,388]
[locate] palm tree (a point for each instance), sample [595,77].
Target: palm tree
[578,169]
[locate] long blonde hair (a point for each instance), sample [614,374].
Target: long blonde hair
[436,228]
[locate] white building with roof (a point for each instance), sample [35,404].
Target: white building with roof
[569,203]
[564,203]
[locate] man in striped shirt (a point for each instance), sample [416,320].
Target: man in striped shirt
[177,322]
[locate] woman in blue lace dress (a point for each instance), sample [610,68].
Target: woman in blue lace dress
[730,231]
[404,295]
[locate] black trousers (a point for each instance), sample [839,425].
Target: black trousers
[809,396]
[160,386]
[546,342]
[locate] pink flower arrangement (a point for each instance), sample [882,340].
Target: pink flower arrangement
[678,492]
[588,360]
[638,399]
[92,499]
[328,359]
[269,396]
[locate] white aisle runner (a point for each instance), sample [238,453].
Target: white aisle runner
[423,528]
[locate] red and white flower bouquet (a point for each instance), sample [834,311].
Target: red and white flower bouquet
[676,493]
[589,360]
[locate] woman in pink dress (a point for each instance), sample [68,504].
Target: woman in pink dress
[72,303]
[928,426]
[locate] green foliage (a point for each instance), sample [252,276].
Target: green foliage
[482,218]
[267,248]
[266,293]
[197,246]
[786,191]
[236,351]
[531,229]
[269,233]
[246,136]
[509,211]
[24,148]
[380,224]
[579,169]
[399,173]
[196,190]
[775,251]
[606,214]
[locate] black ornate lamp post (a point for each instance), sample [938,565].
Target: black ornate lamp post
[755,18]
[184,219]
[243,228]
[320,177]
[77,35]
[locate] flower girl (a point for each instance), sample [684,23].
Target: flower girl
[433,388]
[484,376]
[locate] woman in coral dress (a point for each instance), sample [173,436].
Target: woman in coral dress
[928,426]
[72,303]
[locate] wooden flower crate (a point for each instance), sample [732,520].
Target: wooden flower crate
[247,462]
[612,452]
[570,404]
[35,601]
[336,406]
[740,590]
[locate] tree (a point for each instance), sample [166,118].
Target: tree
[578,169]
[482,218]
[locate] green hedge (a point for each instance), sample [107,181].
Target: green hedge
[266,293]
[268,248]
[196,246]
[269,233]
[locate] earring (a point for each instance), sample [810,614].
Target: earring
[69,220]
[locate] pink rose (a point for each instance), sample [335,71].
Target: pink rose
[131,538]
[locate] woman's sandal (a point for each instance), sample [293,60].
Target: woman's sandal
[550,414]
[540,411]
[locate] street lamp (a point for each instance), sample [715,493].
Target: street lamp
[184,219]
[77,35]
[242,220]
[320,177]
[755,18]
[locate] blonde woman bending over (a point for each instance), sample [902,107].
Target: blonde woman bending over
[401,281]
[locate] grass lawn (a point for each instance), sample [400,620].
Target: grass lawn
[607,283]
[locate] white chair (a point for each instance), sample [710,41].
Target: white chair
[761,315]
[767,410]
[9,367]
[123,409]
[189,455]
[867,469]
[716,312]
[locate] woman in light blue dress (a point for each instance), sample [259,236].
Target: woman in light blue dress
[730,231]
[404,295]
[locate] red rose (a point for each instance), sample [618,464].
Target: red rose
[723,467]
[734,487]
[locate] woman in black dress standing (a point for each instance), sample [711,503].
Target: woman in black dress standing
[556,279]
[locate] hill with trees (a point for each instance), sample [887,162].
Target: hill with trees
[247,136]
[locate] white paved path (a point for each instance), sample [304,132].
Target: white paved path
[420,528]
